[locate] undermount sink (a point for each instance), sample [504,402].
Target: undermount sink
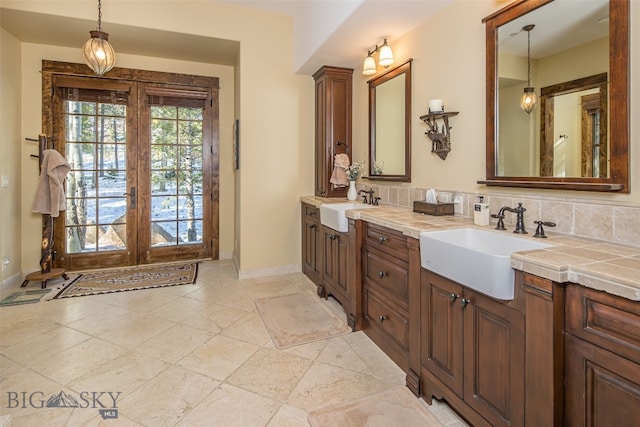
[477,259]
[334,216]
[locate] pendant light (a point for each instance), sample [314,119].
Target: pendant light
[98,53]
[529,98]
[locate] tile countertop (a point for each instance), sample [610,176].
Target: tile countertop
[596,264]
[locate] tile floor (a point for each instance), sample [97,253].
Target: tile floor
[188,355]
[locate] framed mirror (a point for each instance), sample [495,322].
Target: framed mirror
[576,58]
[390,125]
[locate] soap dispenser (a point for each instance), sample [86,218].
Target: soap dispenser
[481,212]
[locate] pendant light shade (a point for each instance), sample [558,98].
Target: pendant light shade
[529,99]
[385,58]
[98,53]
[386,55]
[369,67]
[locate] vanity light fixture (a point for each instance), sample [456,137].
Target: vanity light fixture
[385,58]
[98,53]
[529,98]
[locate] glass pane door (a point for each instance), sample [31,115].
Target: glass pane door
[95,147]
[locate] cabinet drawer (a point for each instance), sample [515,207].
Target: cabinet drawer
[311,211]
[387,274]
[606,320]
[383,316]
[387,240]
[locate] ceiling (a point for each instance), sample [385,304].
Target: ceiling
[349,28]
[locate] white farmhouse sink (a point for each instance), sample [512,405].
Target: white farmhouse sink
[333,215]
[477,259]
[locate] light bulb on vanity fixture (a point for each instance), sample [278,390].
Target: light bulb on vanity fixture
[529,99]
[98,53]
[385,58]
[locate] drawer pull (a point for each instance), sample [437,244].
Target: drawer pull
[382,239]
[333,237]
[453,297]
[382,274]
[382,318]
[311,226]
[464,302]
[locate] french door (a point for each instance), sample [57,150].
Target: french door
[141,185]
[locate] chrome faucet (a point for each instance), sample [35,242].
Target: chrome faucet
[519,211]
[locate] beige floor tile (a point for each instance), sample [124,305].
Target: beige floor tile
[325,385]
[100,321]
[167,398]
[380,365]
[43,346]
[214,318]
[179,309]
[174,343]
[338,353]
[134,329]
[219,357]
[9,367]
[230,406]
[250,328]
[270,373]
[125,374]
[70,364]
[289,416]
[142,300]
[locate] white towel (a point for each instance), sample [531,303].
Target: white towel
[339,175]
[50,197]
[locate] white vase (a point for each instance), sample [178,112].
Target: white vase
[352,194]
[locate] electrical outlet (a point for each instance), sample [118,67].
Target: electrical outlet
[5,262]
[5,181]
[458,205]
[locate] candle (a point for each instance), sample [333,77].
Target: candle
[436,106]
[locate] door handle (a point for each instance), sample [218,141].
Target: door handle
[132,197]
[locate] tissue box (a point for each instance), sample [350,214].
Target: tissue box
[437,209]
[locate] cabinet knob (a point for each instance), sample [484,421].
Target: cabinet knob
[382,318]
[333,237]
[464,302]
[382,274]
[311,226]
[453,297]
[382,239]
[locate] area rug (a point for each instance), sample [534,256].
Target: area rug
[24,297]
[393,407]
[299,318]
[129,279]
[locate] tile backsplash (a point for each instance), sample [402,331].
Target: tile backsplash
[616,222]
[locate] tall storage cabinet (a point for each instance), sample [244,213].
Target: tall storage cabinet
[333,125]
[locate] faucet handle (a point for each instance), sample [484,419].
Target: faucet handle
[540,230]
[500,224]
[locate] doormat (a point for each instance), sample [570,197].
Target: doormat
[393,407]
[299,319]
[24,297]
[129,279]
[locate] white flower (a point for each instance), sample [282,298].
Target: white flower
[354,170]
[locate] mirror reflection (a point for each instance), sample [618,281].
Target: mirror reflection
[389,125]
[565,135]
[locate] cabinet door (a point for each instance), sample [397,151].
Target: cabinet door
[602,389]
[311,249]
[494,360]
[336,264]
[441,329]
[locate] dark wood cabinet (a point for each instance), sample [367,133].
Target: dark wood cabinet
[391,296]
[333,116]
[602,359]
[311,244]
[472,352]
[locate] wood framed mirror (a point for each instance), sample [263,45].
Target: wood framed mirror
[515,157]
[390,125]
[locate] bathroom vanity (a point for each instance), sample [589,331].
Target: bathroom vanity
[560,352]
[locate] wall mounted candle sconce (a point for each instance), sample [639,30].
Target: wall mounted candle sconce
[440,138]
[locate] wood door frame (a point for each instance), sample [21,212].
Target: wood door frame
[53,68]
